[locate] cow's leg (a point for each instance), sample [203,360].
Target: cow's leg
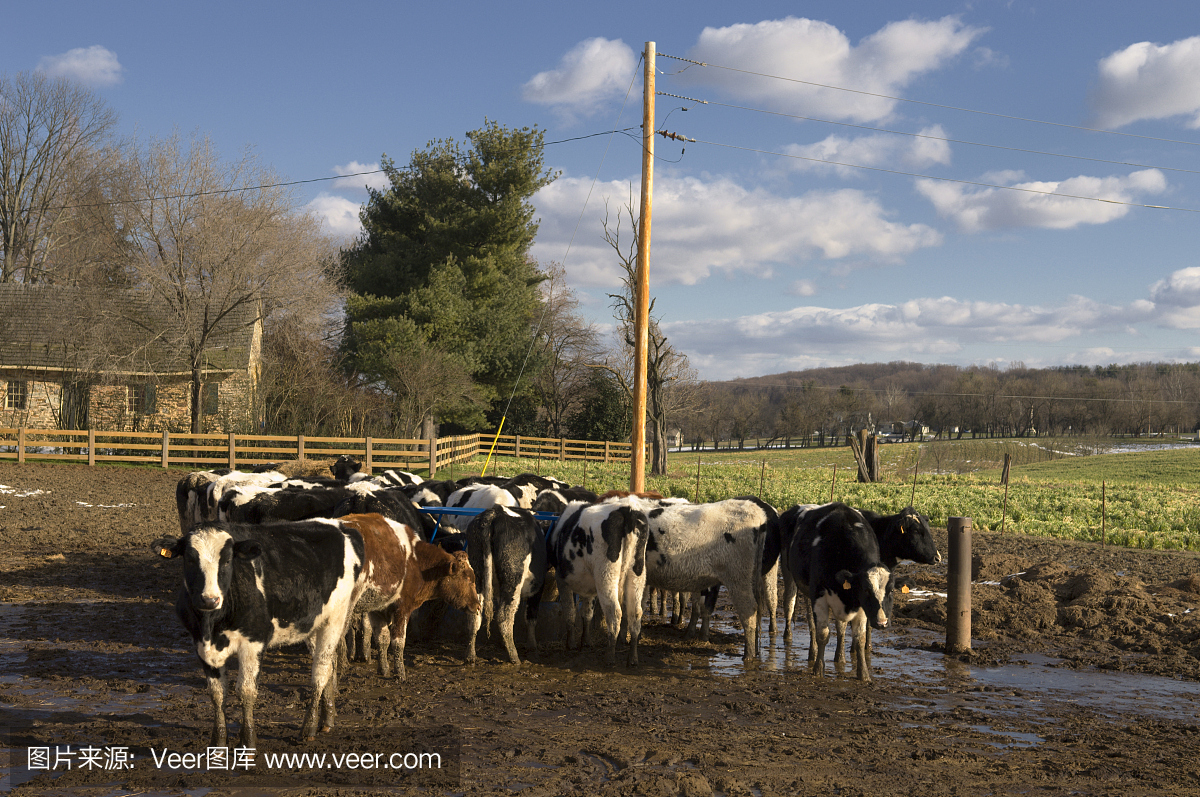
[587,606]
[812,630]
[746,606]
[532,603]
[216,691]
[859,655]
[321,711]
[708,599]
[789,604]
[634,586]
[820,637]
[380,636]
[694,620]
[570,610]
[770,601]
[510,599]
[474,623]
[399,628]
[839,658]
[368,637]
[608,595]
[249,662]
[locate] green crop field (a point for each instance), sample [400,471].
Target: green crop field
[1141,499]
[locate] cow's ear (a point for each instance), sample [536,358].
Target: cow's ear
[168,547]
[844,577]
[247,549]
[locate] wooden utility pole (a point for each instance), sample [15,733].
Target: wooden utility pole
[637,469]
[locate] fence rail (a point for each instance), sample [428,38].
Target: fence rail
[185,450]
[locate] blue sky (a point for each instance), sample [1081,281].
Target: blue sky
[760,262]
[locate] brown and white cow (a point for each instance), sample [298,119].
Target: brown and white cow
[403,572]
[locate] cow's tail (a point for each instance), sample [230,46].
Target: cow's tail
[760,539]
[479,553]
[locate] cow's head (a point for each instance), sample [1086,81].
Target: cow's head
[344,467]
[917,538]
[208,555]
[457,585]
[873,589]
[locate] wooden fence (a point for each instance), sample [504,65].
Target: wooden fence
[201,451]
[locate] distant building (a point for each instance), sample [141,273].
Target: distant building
[71,359]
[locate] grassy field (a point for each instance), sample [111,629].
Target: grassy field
[1143,499]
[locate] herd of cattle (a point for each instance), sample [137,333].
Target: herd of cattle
[341,563]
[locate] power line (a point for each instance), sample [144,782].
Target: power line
[932,104]
[949,140]
[947,179]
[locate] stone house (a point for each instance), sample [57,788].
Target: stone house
[112,361]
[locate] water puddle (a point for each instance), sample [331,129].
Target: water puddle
[1037,678]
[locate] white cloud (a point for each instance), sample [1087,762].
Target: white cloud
[1178,299]
[702,226]
[938,328]
[95,66]
[1149,81]
[592,72]
[804,49]
[378,181]
[874,150]
[802,288]
[976,209]
[339,215]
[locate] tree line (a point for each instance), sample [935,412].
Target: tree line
[436,315]
[823,406]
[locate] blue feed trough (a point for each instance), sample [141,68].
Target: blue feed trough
[440,511]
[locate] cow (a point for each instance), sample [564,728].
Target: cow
[190,496]
[904,535]
[507,550]
[276,502]
[599,550]
[403,572]
[430,493]
[392,478]
[363,498]
[834,554]
[207,508]
[696,546]
[249,588]
[526,486]
[477,496]
[345,467]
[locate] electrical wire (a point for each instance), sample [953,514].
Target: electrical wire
[933,104]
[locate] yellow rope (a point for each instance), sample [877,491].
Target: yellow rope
[493,448]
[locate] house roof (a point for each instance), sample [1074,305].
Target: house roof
[57,328]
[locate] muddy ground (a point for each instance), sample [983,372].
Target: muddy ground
[1084,678]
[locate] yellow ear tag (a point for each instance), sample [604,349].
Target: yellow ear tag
[165,553]
[845,585]
[904,589]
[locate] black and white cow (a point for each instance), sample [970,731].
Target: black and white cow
[526,486]
[693,547]
[507,551]
[249,588]
[390,478]
[207,508]
[477,496]
[834,555]
[430,493]
[345,467]
[904,535]
[599,551]
[191,496]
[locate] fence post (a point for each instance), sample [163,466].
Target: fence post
[21,445]
[958,583]
[369,452]
[517,447]
[300,447]
[432,456]
[605,452]
[166,452]
[91,447]
[232,453]
[562,449]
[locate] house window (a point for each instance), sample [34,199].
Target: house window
[16,397]
[141,399]
[209,398]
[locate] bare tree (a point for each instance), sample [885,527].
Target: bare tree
[670,380]
[50,132]
[569,344]
[212,242]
